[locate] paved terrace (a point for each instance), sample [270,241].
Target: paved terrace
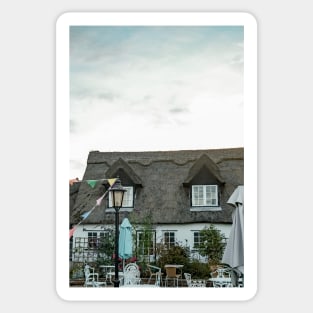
[181,283]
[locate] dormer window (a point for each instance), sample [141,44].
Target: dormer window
[205,185]
[204,196]
[130,181]
[128,200]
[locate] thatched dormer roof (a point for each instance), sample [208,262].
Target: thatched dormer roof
[161,180]
[204,162]
[121,165]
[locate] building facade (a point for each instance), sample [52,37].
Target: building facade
[172,195]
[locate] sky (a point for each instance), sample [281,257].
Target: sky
[154,88]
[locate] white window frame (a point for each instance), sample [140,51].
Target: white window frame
[146,252]
[170,233]
[204,196]
[92,240]
[128,199]
[199,239]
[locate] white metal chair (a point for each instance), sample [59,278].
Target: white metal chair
[109,274]
[131,274]
[91,277]
[193,283]
[221,277]
[155,272]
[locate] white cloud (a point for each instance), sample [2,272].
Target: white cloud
[156,95]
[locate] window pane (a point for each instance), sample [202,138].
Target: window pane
[201,195]
[92,240]
[196,239]
[169,238]
[204,195]
[128,197]
[211,195]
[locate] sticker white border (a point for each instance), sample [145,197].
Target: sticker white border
[62,154]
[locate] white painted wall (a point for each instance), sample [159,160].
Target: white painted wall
[183,232]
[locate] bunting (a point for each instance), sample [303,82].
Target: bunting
[85,215]
[98,202]
[111,181]
[92,183]
[72,232]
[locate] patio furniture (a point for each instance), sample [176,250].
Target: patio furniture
[131,274]
[91,277]
[139,286]
[171,273]
[106,269]
[111,276]
[193,283]
[155,272]
[240,282]
[221,277]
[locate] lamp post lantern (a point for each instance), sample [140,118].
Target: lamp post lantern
[117,193]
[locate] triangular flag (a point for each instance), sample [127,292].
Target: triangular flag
[86,214]
[99,200]
[111,181]
[91,183]
[72,232]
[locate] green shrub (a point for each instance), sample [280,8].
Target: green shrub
[174,255]
[212,244]
[77,270]
[197,269]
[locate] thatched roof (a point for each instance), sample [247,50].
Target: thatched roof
[204,162]
[161,180]
[121,164]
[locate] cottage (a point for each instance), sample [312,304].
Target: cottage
[174,194]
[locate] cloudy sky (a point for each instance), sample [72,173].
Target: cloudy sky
[150,88]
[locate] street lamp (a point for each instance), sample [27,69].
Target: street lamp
[117,194]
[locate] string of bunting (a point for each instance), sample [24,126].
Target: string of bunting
[91,183]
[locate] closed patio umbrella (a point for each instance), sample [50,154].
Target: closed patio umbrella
[234,250]
[125,245]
